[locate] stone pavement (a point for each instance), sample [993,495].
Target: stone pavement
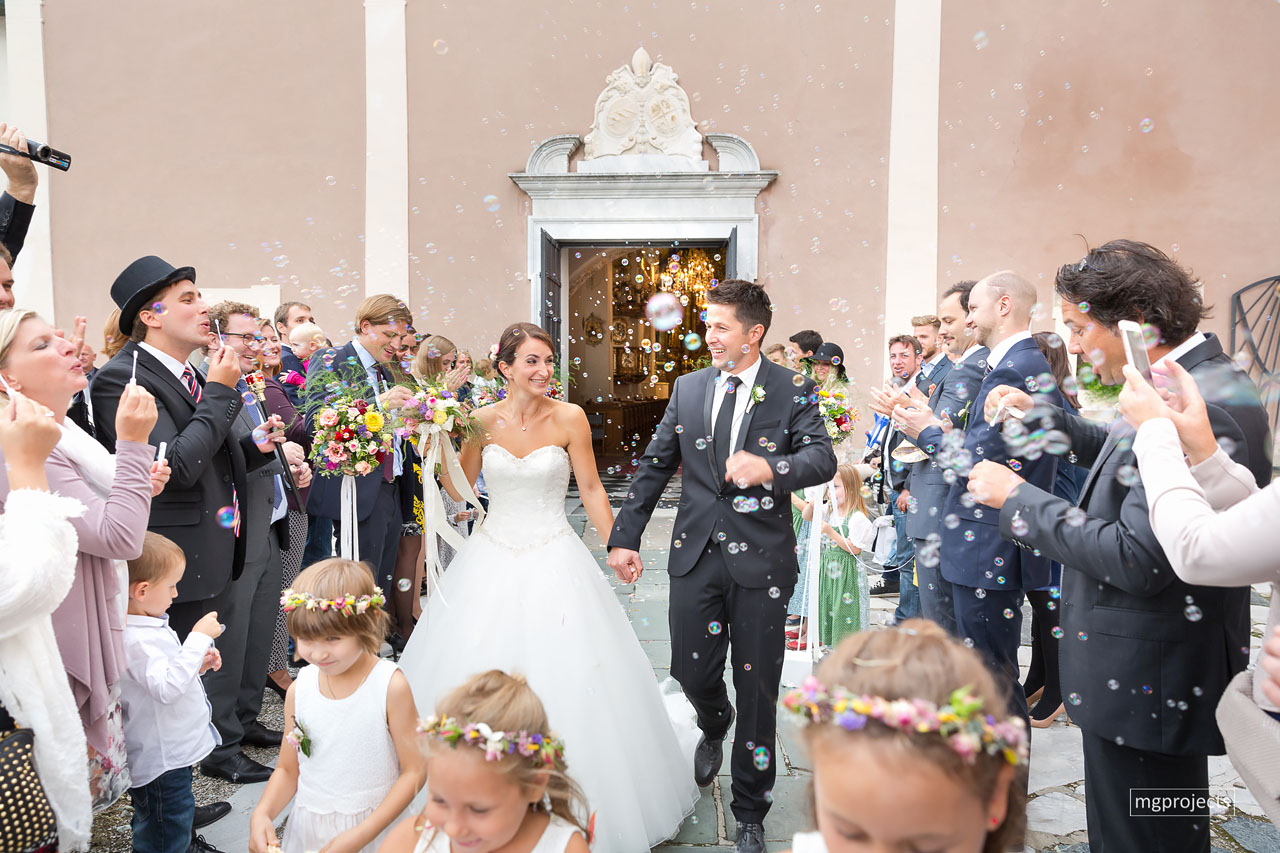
[1055,813]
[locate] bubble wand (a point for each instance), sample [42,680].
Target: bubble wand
[133,377]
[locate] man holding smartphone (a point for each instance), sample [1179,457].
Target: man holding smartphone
[1142,672]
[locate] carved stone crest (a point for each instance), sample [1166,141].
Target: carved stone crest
[643,110]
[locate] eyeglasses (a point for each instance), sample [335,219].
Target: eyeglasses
[250,340]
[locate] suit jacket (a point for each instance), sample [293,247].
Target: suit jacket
[295,429]
[1143,670]
[803,457]
[325,499]
[1231,389]
[15,219]
[927,482]
[79,409]
[973,554]
[207,461]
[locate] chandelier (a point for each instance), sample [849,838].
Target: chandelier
[689,276]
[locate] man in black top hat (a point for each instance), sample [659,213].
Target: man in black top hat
[166,320]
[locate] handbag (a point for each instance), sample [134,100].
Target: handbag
[26,817]
[1252,737]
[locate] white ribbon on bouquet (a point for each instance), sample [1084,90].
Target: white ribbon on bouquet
[435,448]
[799,664]
[348,534]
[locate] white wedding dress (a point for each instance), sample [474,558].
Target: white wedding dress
[524,595]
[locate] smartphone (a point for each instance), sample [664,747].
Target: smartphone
[1135,347]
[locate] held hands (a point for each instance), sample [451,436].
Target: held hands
[224,366]
[1176,397]
[745,470]
[626,564]
[160,473]
[1010,396]
[991,483]
[136,415]
[28,432]
[209,625]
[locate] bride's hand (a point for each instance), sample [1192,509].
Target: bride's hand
[626,564]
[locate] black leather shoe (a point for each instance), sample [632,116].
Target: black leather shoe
[889,587]
[206,815]
[709,755]
[256,734]
[238,769]
[199,845]
[397,643]
[750,838]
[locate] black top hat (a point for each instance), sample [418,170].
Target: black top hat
[140,281]
[831,354]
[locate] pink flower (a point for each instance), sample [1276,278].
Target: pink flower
[327,418]
[363,468]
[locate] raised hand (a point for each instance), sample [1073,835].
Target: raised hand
[1010,396]
[136,415]
[209,625]
[160,473]
[224,366]
[20,170]
[991,483]
[394,397]
[28,433]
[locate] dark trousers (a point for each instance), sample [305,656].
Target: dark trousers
[1111,771]
[163,810]
[937,602]
[379,535]
[980,617]
[1043,671]
[751,621]
[248,608]
[319,540]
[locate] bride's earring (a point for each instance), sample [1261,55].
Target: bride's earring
[546,801]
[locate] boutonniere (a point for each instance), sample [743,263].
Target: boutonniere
[299,739]
[963,415]
[757,396]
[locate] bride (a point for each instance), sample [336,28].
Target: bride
[526,596]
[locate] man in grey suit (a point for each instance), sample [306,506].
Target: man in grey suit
[952,384]
[257,592]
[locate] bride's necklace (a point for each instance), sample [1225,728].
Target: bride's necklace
[523,426]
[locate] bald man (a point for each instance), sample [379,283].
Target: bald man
[987,573]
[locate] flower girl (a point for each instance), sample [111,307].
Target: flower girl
[351,763]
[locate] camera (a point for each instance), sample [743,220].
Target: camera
[42,153]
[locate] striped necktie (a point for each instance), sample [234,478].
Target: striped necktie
[193,387]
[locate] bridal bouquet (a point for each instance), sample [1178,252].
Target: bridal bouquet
[838,414]
[352,437]
[433,409]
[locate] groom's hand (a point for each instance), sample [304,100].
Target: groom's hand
[626,564]
[745,469]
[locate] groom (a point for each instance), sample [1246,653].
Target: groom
[749,435]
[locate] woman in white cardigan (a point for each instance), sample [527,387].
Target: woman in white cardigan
[38,549]
[1218,529]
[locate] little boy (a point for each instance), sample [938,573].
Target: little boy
[167,726]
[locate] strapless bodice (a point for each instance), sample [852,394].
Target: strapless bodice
[526,495]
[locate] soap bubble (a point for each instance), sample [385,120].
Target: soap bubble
[226,517]
[692,341]
[714,628]
[1146,125]
[404,584]
[761,757]
[248,398]
[440,46]
[491,203]
[664,311]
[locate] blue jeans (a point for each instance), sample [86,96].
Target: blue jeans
[319,540]
[903,557]
[163,810]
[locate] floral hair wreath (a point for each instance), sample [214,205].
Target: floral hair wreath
[967,730]
[347,605]
[545,751]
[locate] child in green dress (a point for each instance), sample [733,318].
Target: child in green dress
[843,594]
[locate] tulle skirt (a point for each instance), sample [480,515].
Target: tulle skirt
[545,611]
[308,831]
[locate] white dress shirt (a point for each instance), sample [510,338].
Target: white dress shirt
[1001,349]
[1183,348]
[741,398]
[974,347]
[928,366]
[370,365]
[172,364]
[167,722]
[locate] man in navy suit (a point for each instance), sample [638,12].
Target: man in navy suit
[987,574]
[904,365]
[360,367]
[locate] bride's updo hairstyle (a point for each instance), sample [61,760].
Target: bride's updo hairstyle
[918,660]
[512,337]
[507,703]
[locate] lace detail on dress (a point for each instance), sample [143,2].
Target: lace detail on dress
[526,497]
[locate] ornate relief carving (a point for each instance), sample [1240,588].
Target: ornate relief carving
[643,110]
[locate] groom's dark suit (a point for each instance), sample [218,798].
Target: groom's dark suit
[732,572]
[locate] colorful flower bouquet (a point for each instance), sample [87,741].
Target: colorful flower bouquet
[433,409]
[352,438]
[838,414]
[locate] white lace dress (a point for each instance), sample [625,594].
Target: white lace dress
[554,839]
[525,595]
[353,761]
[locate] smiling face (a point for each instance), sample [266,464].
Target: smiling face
[953,334]
[333,654]
[984,312]
[1103,348]
[383,340]
[233,330]
[270,345]
[298,315]
[532,368]
[903,360]
[892,804]
[730,343]
[43,365]
[821,370]
[928,338]
[476,805]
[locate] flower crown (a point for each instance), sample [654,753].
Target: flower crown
[967,730]
[347,605]
[543,750]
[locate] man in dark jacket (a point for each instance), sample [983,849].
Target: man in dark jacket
[1142,670]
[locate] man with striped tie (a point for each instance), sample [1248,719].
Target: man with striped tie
[166,320]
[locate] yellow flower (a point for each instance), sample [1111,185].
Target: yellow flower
[373,420]
[440,416]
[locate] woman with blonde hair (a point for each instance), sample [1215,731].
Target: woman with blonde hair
[116,490]
[113,340]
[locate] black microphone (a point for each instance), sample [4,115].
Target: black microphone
[42,153]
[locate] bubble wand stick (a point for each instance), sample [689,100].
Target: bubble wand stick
[258,385]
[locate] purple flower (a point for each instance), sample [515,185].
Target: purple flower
[851,721]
